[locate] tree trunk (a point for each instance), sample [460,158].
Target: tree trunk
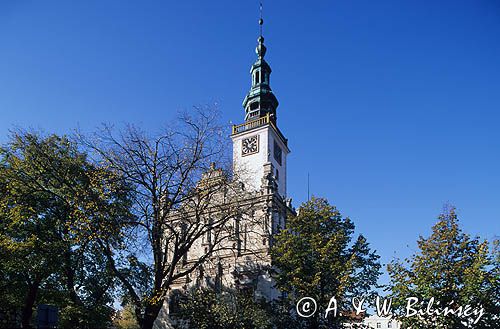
[150,315]
[73,321]
[29,302]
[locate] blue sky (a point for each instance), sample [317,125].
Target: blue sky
[393,107]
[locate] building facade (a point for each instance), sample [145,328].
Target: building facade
[260,153]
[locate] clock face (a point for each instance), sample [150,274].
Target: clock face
[277,152]
[250,145]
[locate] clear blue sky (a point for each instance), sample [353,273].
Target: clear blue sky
[392,106]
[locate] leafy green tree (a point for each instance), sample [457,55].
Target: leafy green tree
[204,308]
[53,205]
[317,256]
[455,270]
[125,319]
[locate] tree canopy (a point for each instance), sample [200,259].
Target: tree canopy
[318,256]
[454,269]
[205,308]
[53,204]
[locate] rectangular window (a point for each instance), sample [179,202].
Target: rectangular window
[183,235]
[237,235]
[245,238]
[379,325]
[277,153]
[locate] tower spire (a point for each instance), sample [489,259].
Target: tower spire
[261,49]
[260,100]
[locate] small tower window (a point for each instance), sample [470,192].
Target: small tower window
[257,77]
[277,152]
[254,106]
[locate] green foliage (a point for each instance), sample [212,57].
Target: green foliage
[203,308]
[54,204]
[317,256]
[450,266]
[126,319]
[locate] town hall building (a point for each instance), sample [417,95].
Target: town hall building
[260,152]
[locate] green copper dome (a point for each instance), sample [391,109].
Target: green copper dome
[260,100]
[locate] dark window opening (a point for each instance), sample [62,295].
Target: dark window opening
[277,153]
[257,77]
[254,106]
[237,237]
[201,275]
[218,278]
[245,238]
[174,301]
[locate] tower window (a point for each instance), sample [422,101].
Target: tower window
[257,77]
[277,153]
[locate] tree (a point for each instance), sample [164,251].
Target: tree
[454,269]
[204,308]
[125,319]
[53,204]
[179,196]
[315,256]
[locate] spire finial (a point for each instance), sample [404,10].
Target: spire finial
[261,49]
[261,20]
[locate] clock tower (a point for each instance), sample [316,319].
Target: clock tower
[242,259]
[259,148]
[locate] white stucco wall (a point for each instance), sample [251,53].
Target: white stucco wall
[252,166]
[273,136]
